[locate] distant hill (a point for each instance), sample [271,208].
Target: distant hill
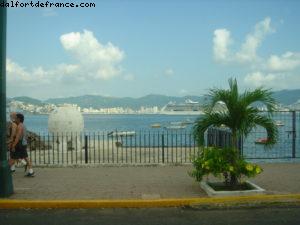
[134,103]
[285,97]
[27,100]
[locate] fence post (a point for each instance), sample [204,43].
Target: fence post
[86,149]
[163,147]
[294,135]
[241,146]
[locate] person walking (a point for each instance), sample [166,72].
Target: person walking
[19,146]
[11,135]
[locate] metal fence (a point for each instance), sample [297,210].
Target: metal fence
[252,147]
[142,147]
[153,147]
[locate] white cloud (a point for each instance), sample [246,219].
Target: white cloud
[259,79]
[20,76]
[286,62]
[275,71]
[276,80]
[169,72]
[96,60]
[93,61]
[254,40]
[270,80]
[248,51]
[221,42]
[15,72]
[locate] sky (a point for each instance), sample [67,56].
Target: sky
[132,48]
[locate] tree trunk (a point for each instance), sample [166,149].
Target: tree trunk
[233,180]
[234,139]
[226,178]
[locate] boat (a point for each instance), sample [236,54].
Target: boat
[156,125]
[261,141]
[176,123]
[279,123]
[189,107]
[121,133]
[175,127]
[187,122]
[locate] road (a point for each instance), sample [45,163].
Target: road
[160,216]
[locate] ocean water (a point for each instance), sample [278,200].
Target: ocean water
[107,123]
[99,123]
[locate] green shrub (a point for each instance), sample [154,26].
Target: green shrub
[222,162]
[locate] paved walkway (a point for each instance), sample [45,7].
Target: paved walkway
[143,182]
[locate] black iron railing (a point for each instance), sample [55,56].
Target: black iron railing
[253,147]
[153,147]
[138,147]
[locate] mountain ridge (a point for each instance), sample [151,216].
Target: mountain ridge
[285,97]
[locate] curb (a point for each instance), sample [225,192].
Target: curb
[155,203]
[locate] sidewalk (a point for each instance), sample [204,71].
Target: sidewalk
[137,182]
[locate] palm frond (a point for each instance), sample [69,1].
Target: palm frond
[267,123]
[259,95]
[241,115]
[208,120]
[234,91]
[216,95]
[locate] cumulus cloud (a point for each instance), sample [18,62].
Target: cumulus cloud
[15,72]
[93,60]
[274,80]
[20,76]
[96,60]
[286,62]
[221,42]
[254,40]
[274,71]
[248,51]
[270,80]
[259,79]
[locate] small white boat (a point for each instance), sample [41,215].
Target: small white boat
[156,125]
[279,123]
[175,127]
[187,121]
[176,123]
[121,133]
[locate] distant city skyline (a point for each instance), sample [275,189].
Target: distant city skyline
[135,48]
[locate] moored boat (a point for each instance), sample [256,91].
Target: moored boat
[175,127]
[261,141]
[156,125]
[279,123]
[121,133]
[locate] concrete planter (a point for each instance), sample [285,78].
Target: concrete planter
[211,192]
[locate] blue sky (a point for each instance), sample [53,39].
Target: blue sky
[134,48]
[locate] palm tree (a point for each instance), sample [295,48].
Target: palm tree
[239,114]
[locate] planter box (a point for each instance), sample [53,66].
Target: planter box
[211,192]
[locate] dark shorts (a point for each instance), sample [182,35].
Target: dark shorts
[20,152]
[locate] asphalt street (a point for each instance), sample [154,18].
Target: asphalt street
[159,216]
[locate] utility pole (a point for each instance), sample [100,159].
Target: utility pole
[6,185]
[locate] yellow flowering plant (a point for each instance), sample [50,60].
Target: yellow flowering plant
[222,162]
